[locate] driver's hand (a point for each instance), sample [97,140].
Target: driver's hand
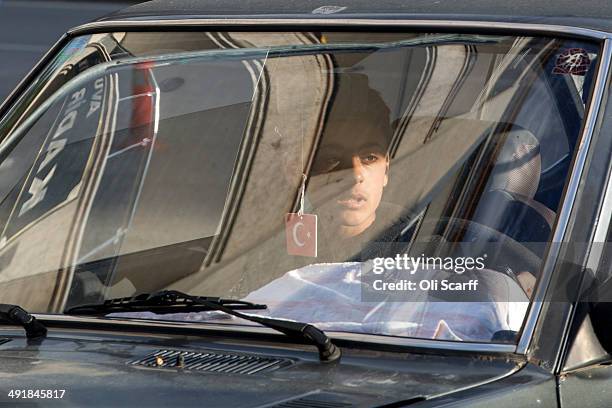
[527,281]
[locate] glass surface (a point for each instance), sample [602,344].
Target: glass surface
[317,173]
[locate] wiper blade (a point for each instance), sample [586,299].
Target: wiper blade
[16,314]
[168,299]
[162,302]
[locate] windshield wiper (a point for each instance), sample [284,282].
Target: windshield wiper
[165,301]
[18,315]
[172,301]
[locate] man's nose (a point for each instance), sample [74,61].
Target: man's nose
[357,169]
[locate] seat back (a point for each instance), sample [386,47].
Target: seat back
[508,204]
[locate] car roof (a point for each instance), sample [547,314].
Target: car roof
[591,14]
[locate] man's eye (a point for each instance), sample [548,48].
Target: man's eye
[369,158]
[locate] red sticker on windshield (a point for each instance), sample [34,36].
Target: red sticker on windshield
[574,61]
[301,234]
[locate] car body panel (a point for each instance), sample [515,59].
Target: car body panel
[589,16]
[95,367]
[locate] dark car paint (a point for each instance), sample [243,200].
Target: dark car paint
[587,388]
[93,369]
[593,14]
[529,387]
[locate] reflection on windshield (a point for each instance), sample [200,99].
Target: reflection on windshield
[392,184]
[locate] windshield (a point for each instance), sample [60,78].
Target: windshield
[391,183]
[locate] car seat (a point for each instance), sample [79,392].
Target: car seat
[508,204]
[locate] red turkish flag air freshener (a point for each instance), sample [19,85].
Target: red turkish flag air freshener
[301,234]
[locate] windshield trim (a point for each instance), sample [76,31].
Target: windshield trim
[373,339]
[344,23]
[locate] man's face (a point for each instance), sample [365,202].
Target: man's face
[348,178]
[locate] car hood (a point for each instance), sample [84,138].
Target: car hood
[111,370]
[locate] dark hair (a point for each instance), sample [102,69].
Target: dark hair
[355,105]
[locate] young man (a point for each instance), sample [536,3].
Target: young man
[351,170]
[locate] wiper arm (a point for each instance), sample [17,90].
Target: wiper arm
[162,302]
[166,300]
[16,314]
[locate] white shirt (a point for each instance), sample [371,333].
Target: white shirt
[329,296]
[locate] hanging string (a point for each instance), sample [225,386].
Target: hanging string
[302,194]
[303,188]
[302,145]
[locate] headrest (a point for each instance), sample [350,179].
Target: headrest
[517,165]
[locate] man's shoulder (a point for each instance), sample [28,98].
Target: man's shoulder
[390,212]
[389,234]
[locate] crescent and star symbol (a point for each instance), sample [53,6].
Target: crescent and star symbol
[295,234]
[301,234]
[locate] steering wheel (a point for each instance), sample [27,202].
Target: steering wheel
[502,253]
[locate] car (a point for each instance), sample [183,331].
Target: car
[301,204]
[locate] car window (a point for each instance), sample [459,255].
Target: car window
[391,183]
